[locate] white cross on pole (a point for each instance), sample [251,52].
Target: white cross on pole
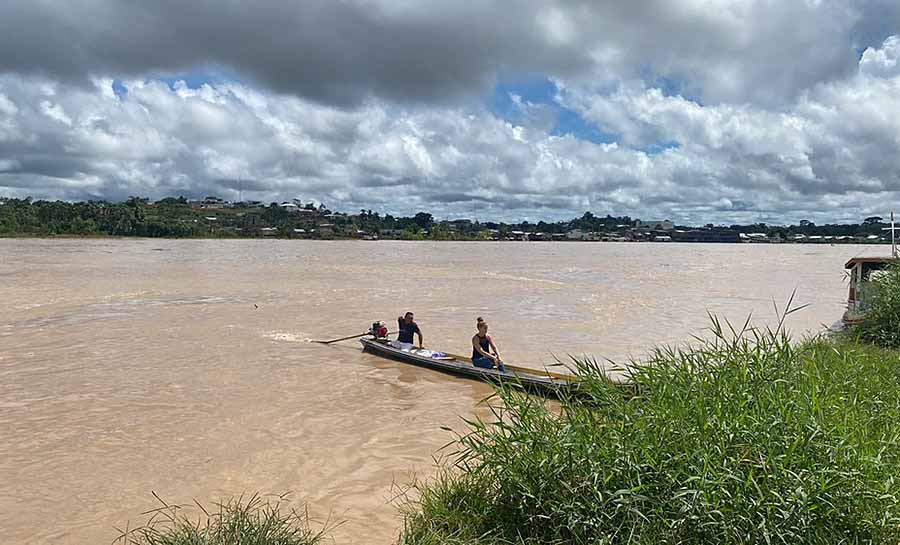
[892,229]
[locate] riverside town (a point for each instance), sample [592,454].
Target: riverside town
[213,217]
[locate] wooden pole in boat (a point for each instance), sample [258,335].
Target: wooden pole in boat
[342,338]
[350,337]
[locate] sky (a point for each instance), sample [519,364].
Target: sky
[720,111]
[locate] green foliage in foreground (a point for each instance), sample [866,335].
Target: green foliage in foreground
[882,323]
[746,438]
[237,522]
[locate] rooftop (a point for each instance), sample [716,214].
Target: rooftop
[854,260]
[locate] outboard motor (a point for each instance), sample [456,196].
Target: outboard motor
[379,330]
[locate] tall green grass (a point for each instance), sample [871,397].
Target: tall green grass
[252,521]
[882,318]
[744,438]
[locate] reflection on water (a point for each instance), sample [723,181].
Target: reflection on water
[125,369]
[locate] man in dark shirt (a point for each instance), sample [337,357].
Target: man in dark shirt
[407,328]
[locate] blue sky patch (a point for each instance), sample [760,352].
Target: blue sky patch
[119,89]
[200,76]
[659,147]
[193,80]
[541,90]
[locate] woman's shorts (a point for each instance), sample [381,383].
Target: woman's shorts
[486,363]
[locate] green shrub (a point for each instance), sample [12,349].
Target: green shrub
[882,318]
[746,438]
[237,522]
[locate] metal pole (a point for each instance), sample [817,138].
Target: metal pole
[893,238]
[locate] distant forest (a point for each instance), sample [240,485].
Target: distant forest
[213,218]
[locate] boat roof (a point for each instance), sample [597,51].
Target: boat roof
[853,261]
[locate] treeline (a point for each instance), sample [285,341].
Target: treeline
[177,217]
[874,225]
[170,218]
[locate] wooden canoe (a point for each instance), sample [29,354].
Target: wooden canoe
[540,381]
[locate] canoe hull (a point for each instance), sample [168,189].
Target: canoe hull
[462,367]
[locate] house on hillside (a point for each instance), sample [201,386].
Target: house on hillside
[754,237]
[655,225]
[211,203]
[707,235]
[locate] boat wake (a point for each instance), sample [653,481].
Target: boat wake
[287,337]
[504,276]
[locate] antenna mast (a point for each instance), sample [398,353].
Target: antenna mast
[893,238]
[893,230]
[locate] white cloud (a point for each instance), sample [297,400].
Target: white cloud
[837,139]
[882,61]
[7,108]
[55,112]
[8,164]
[775,120]
[420,51]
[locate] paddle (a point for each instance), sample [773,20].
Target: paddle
[348,338]
[343,338]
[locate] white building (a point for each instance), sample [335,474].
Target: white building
[212,203]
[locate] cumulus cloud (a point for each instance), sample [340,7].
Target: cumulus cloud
[343,52]
[834,152]
[883,61]
[157,140]
[837,138]
[716,111]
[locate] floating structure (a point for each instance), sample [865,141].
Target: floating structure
[861,271]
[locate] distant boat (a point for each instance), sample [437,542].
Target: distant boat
[861,271]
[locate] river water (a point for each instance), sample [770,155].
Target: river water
[184,368]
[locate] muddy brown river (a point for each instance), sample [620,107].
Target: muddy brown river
[183,367]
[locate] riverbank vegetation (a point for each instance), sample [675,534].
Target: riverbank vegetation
[252,521]
[746,438]
[211,217]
